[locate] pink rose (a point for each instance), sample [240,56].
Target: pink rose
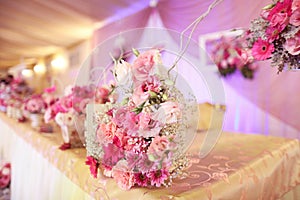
[106,132]
[279,19]
[168,112]
[120,139]
[143,66]
[295,18]
[292,45]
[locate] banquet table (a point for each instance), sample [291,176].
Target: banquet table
[240,166]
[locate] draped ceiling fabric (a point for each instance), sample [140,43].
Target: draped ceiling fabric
[273,93]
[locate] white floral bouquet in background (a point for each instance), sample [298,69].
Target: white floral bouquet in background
[276,34]
[140,140]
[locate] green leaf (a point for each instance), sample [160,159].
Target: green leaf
[135,52]
[151,157]
[267,7]
[152,94]
[125,101]
[139,109]
[165,97]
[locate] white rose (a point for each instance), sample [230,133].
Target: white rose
[123,73]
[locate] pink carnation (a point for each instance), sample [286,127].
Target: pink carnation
[106,132]
[120,139]
[262,49]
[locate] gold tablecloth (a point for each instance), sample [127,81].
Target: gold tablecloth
[241,166]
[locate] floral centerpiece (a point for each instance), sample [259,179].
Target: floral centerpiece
[12,92]
[139,140]
[230,55]
[69,111]
[35,104]
[5,179]
[5,175]
[276,34]
[35,107]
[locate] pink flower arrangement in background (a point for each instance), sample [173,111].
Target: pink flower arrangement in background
[138,138]
[75,100]
[230,55]
[275,34]
[35,104]
[5,175]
